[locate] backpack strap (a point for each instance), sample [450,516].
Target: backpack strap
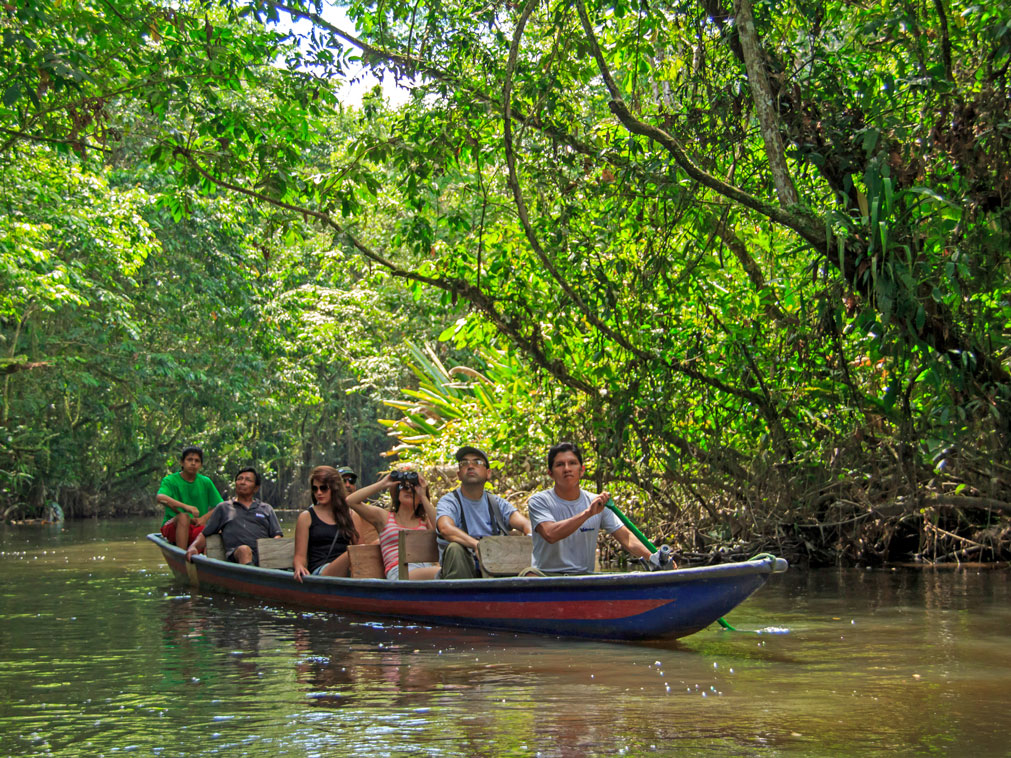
[441,541]
[463,515]
[497,522]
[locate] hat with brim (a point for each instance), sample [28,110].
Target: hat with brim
[348,471]
[466,450]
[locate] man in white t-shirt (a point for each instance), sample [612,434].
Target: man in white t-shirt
[566,518]
[469,513]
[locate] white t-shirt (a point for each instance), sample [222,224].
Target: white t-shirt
[576,553]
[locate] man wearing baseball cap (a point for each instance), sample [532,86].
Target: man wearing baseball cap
[367,534]
[350,478]
[469,513]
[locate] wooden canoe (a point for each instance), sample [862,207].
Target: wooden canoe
[631,606]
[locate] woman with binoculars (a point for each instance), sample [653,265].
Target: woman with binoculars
[410,508]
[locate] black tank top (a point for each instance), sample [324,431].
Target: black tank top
[321,537]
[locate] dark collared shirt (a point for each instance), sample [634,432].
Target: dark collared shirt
[240,525]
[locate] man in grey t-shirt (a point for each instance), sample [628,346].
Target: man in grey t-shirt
[566,518]
[469,513]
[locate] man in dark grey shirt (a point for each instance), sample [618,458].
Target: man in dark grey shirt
[241,521]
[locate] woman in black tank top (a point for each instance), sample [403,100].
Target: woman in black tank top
[323,533]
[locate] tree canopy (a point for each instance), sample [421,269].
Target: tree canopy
[754,255]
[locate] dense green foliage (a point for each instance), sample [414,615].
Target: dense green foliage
[753,256]
[133,334]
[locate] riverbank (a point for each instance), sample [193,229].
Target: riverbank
[929,535]
[867,538]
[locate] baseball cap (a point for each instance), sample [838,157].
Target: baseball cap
[466,450]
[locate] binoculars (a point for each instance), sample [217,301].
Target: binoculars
[404,477]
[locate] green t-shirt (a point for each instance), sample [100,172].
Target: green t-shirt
[200,493]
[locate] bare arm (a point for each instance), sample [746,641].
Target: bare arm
[302,545]
[371,513]
[451,532]
[518,521]
[553,531]
[430,514]
[174,505]
[197,546]
[631,543]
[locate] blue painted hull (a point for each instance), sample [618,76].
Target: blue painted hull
[634,606]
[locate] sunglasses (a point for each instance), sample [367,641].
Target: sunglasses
[320,487]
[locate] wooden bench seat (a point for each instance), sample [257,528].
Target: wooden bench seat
[498,556]
[366,562]
[415,547]
[412,547]
[274,553]
[504,555]
[215,547]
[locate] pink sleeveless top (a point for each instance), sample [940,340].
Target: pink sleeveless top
[388,540]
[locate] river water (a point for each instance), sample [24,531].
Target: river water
[101,653]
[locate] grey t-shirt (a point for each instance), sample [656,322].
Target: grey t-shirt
[242,526]
[473,518]
[576,553]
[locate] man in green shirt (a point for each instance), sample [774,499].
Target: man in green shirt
[188,497]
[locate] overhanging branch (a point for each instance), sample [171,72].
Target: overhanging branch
[531,343]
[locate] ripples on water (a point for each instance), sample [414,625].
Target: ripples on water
[101,654]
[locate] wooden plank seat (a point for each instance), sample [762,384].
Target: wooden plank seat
[415,547]
[504,555]
[412,547]
[274,553]
[215,547]
[366,561]
[498,556]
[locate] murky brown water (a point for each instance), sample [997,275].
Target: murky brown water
[101,654]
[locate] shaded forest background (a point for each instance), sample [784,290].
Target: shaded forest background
[752,255]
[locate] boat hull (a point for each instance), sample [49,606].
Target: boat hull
[633,606]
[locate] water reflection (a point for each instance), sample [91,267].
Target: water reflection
[469,693]
[100,653]
[367,668]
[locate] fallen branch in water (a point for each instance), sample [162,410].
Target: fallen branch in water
[963,501]
[958,555]
[946,533]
